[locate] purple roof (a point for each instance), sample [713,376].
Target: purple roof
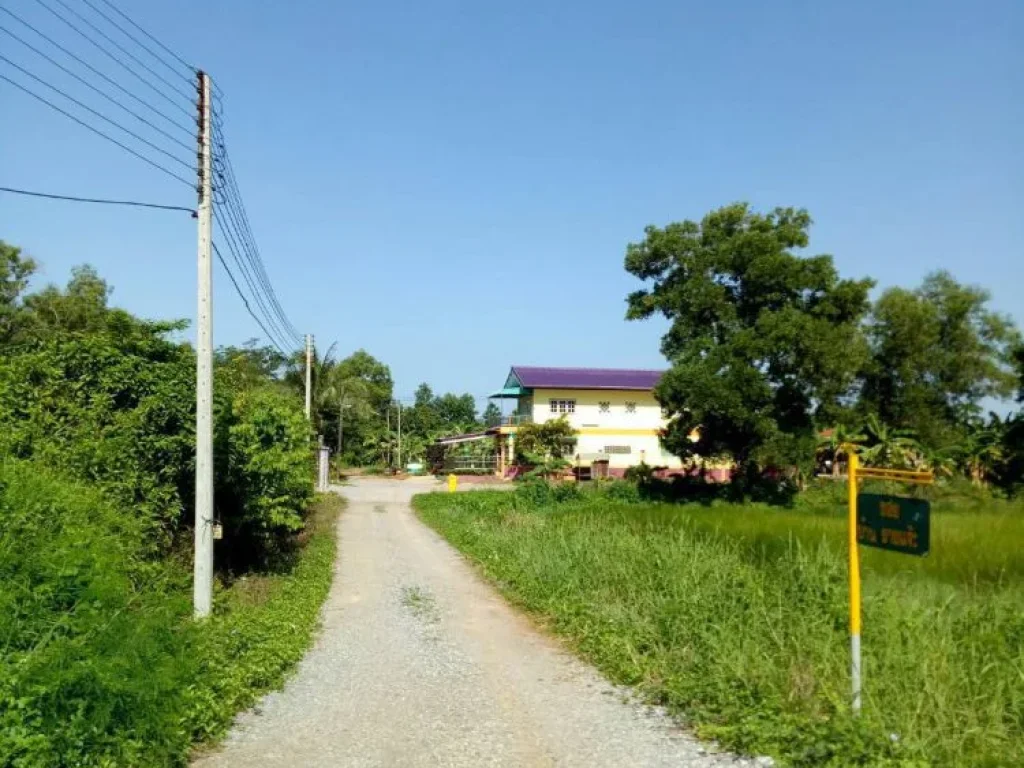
[585,378]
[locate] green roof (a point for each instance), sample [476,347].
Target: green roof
[509,392]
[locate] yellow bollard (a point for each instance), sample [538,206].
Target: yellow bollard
[453,483]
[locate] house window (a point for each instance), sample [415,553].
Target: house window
[563,406]
[630,407]
[604,406]
[618,449]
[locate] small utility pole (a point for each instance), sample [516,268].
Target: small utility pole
[202,578]
[309,375]
[387,444]
[399,462]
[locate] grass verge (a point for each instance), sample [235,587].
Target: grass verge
[262,628]
[100,661]
[735,617]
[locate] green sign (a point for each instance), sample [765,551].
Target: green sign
[895,523]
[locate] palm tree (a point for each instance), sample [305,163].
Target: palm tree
[838,442]
[889,446]
[322,388]
[982,451]
[941,461]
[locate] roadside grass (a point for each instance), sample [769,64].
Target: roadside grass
[735,617]
[100,661]
[262,627]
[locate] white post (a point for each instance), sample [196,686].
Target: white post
[399,436]
[202,578]
[309,375]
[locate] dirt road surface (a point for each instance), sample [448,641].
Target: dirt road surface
[420,663]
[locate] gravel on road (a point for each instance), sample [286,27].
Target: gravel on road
[420,663]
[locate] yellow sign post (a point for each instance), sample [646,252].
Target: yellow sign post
[855,473]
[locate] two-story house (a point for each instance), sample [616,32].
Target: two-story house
[613,411]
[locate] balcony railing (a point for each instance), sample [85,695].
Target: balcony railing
[513,419]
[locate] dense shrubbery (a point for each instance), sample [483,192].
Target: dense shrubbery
[115,407]
[92,654]
[264,487]
[100,663]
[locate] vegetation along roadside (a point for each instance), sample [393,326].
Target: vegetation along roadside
[734,615]
[101,663]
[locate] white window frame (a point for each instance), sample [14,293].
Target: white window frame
[562,406]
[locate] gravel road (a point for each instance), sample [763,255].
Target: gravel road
[420,663]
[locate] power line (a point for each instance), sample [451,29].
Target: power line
[100,115]
[118,61]
[232,199]
[245,302]
[141,45]
[97,72]
[120,47]
[236,245]
[92,87]
[96,200]
[98,132]
[233,206]
[125,16]
[231,194]
[253,276]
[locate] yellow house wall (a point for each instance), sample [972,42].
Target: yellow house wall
[597,430]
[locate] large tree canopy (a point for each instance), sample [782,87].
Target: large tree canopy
[937,353]
[762,340]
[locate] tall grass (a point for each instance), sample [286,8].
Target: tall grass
[735,616]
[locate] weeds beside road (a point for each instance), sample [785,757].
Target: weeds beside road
[101,663]
[735,616]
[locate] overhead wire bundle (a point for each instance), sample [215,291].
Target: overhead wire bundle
[103,71]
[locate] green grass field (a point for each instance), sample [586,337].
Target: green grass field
[735,616]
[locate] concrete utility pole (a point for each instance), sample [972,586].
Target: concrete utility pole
[202,578]
[309,375]
[399,462]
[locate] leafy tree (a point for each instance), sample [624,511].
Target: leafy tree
[360,387]
[936,353]
[15,272]
[456,411]
[491,416]
[250,365]
[115,407]
[267,487]
[763,342]
[354,399]
[82,307]
[545,445]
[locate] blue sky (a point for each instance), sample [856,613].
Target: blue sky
[451,185]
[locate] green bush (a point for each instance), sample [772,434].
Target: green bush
[266,475]
[92,640]
[116,408]
[100,662]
